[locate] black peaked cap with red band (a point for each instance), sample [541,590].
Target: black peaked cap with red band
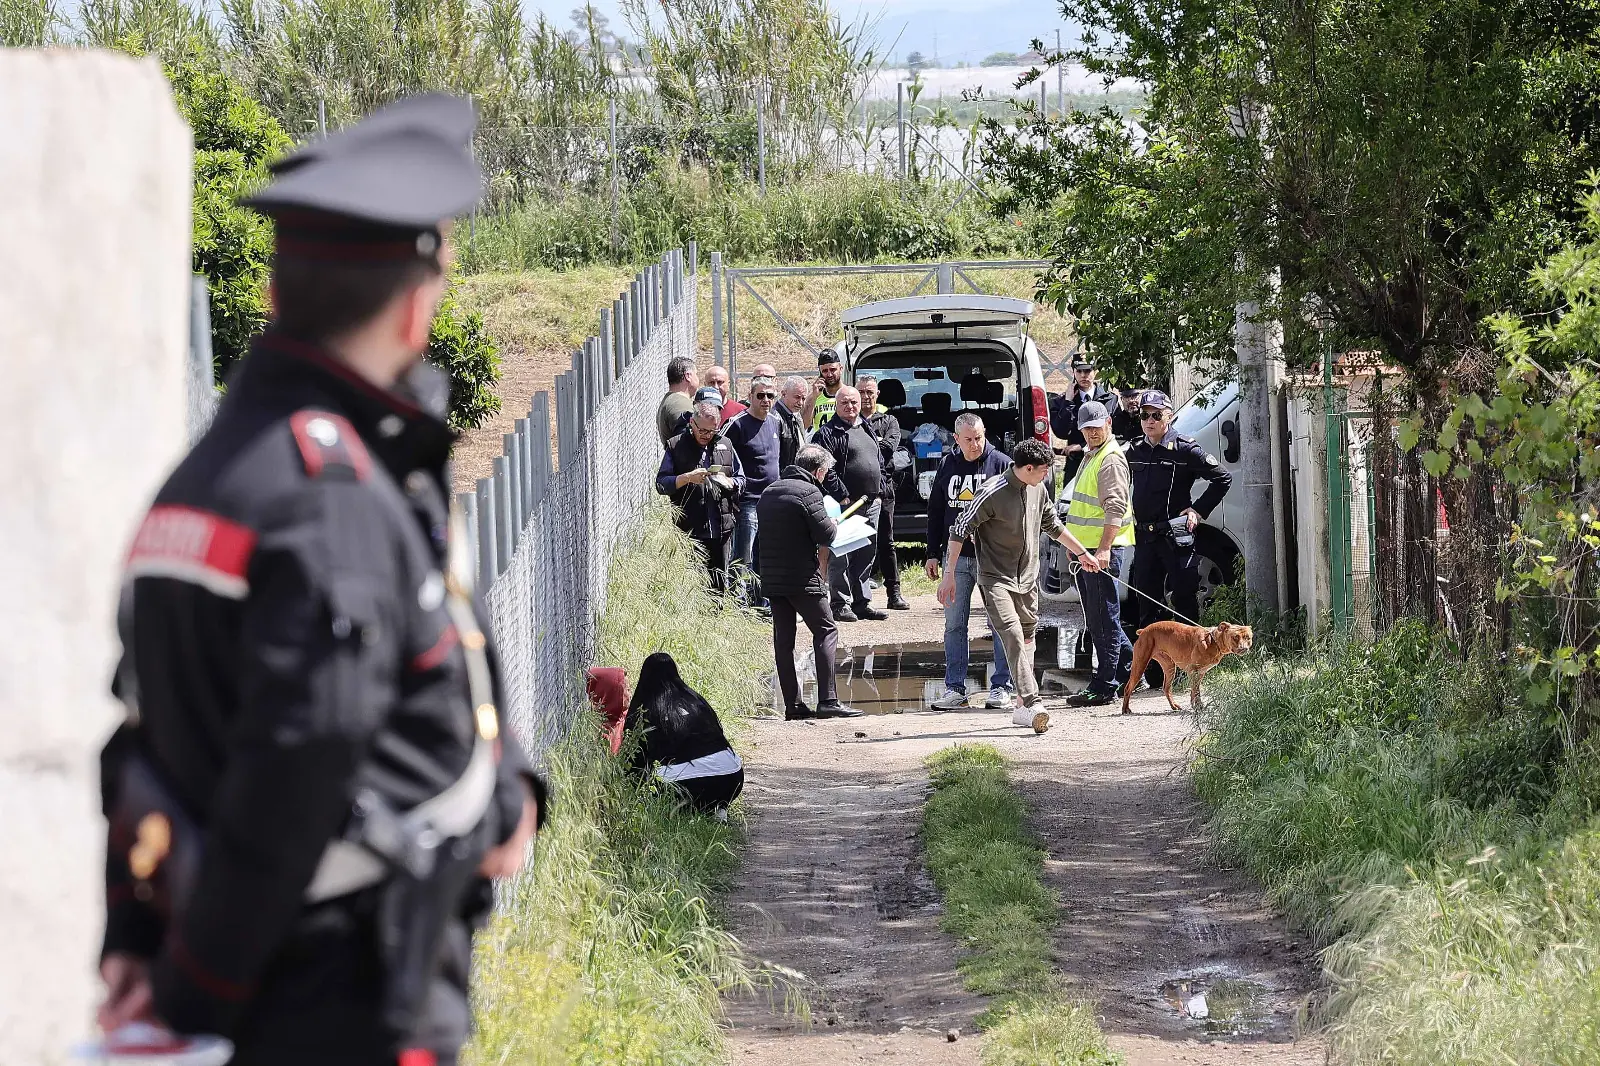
[380,188]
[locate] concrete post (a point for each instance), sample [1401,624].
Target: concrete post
[95,291]
[716,308]
[1258,345]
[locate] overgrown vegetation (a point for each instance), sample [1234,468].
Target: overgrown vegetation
[1401,795]
[989,869]
[610,949]
[833,218]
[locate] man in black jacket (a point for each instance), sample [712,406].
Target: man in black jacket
[701,474]
[1066,438]
[794,565]
[886,428]
[303,662]
[857,474]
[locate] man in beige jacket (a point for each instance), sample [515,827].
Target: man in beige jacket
[1005,520]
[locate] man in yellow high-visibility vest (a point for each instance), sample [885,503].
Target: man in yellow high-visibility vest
[1101,517]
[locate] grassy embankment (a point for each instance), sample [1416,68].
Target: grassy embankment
[1400,802]
[610,951]
[988,868]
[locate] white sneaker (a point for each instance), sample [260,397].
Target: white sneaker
[950,701]
[999,699]
[1031,717]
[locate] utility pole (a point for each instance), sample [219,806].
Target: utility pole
[616,224]
[761,136]
[1258,345]
[900,119]
[1061,89]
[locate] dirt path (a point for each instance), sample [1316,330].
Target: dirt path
[834,886]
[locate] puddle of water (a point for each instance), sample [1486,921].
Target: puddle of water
[895,678]
[1220,1004]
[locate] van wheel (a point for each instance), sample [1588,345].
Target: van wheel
[1218,557]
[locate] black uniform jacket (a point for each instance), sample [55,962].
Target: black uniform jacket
[1163,479]
[886,427]
[285,643]
[794,523]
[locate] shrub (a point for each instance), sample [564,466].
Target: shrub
[234,139]
[459,346]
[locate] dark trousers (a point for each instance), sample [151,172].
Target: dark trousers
[718,557]
[1102,614]
[887,562]
[812,608]
[1160,567]
[708,794]
[848,574]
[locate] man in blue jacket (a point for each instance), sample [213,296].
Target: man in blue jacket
[960,475]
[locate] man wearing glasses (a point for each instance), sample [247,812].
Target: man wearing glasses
[765,446]
[1164,465]
[1067,439]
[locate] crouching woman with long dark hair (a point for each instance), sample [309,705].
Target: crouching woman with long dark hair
[682,738]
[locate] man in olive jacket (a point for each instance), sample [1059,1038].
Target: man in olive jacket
[795,534]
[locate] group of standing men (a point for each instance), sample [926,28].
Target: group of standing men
[722,454]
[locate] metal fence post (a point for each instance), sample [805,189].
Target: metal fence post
[900,122]
[561,418]
[616,223]
[733,336]
[946,278]
[468,502]
[608,366]
[488,557]
[694,259]
[624,332]
[761,137]
[542,466]
[716,308]
[504,544]
[513,460]
[524,473]
[641,324]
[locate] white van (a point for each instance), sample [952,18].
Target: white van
[936,357]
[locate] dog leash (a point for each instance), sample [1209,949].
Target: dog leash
[1074,568]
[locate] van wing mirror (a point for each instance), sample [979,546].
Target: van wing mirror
[1230,438]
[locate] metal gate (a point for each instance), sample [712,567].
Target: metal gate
[1352,539]
[727,281]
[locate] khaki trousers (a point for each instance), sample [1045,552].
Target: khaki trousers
[1015,616]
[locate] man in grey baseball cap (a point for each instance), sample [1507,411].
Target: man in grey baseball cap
[1101,518]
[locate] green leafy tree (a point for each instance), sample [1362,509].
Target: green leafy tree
[1000,59]
[1540,428]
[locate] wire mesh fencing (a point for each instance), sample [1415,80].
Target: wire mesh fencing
[544,533]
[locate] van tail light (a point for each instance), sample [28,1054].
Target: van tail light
[1039,413]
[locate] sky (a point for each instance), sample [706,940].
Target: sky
[954,30]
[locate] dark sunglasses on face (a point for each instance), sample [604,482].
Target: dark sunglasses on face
[1152,416]
[766,396]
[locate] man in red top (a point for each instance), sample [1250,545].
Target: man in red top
[717,378]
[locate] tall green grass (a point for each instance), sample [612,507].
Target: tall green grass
[610,950]
[989,868]
[835,217]
[1399,801]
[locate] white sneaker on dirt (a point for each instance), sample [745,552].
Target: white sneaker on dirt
[998,700]
[1032,717]
[950,701]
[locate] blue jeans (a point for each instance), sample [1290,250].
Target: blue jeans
[956,616]
[745,528]
[1102,614]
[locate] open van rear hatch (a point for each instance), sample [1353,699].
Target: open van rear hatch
[945,319]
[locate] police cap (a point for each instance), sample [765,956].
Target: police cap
[379,189]
[1154,398]
[1082,362]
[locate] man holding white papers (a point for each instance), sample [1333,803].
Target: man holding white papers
[857,474]
[796,534]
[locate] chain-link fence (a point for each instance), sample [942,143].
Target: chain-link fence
[545,534]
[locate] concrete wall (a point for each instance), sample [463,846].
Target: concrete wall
[94,287]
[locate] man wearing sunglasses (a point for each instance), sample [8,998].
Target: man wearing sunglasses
[764,445]
[1164,465]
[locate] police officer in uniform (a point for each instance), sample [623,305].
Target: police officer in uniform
[314,787]
[1164,465]
[1067,438]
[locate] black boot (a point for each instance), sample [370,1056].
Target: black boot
[897,602]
